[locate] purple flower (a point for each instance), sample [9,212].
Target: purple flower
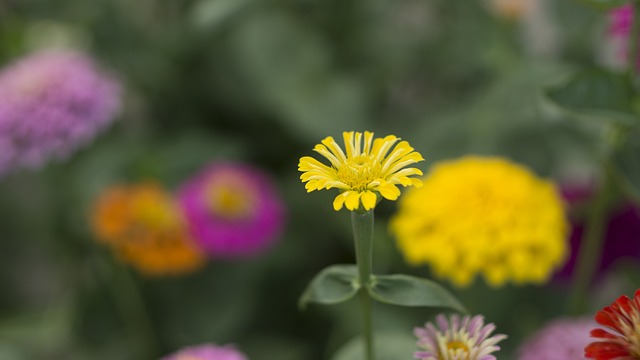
[233,210]
[457,339]
[620,20]
[561,339]
[52,103]
[622,236]
[207,352]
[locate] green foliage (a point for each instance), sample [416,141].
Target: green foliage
[388,346]
[604,5]
[627,163]
[596,94]
[406,290]
[332,285]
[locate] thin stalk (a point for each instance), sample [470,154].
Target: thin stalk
[591,246]
[129,301]
[634,38]
[363,237]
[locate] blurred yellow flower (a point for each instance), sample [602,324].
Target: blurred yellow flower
[369,167]
[511,9]
[144,226]
[486,216]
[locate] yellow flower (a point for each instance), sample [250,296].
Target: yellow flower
[511,9]
[368,168]
[483,216]
[145,228]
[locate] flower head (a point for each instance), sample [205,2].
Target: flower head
[621,19]
[144,226]
[622,340]
[511,9]
[617,43]
[232,210]
[207,352]
[52,103]
[457,339]
[483,215]
[370,167]
[561,339]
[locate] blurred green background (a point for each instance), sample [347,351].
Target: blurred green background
[263,81]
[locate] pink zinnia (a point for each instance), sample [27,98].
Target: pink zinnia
[232,210]
[561,339]
[466,338]
[207,352]
[52,103]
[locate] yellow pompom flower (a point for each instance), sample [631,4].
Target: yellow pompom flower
[370,167]
[144,226]
[488,216]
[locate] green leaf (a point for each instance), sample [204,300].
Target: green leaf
[405,290]
[388,346]
[596,94]
[627,163]
[209,14]
[604,4]
[332,285]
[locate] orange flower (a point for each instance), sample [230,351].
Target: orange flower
[145,228]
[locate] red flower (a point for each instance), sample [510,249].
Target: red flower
[623,343]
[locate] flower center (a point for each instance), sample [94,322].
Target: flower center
[152,212]
[359,171]
[457,345]
[230,197]
[634,338]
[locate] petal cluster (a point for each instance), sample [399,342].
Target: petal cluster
[52,103]
[561,339]
[366,169]
[483,215]
[145,227]
[207,352]
[232,210]
[466,338]
[622,340]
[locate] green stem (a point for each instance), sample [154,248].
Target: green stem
[363,237]
[634,38]
[591,245]
[130,303]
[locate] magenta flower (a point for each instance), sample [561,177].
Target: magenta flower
[232,210]
[561,339]
[207,352]
[52,103]
[457,339]
[622,239]
[621,20]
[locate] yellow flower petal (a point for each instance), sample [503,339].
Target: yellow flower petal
[389,191]
[352,201]
[369,200]
[339,201]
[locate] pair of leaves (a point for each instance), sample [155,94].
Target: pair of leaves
[596,94]
[339,283]
[603,95]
